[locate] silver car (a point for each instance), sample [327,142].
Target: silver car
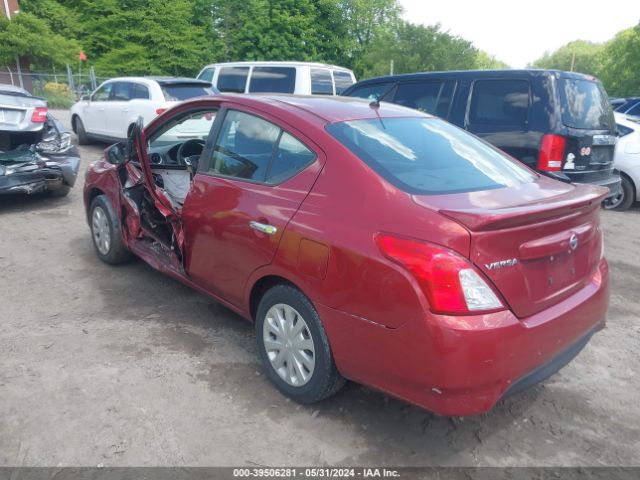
[36,153]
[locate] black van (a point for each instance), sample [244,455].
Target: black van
[558,123]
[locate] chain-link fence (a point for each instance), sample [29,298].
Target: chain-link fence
[60,89]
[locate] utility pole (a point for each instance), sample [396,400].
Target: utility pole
[573,60]
[391,67]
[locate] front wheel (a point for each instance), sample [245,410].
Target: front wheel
[294,347]
[106,232]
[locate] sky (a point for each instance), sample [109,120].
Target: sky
[519,32]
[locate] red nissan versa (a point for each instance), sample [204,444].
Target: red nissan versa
[366,241]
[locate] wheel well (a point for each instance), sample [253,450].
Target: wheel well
[260,288]
[93,193]
[635,188]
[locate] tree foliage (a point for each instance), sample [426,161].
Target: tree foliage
[583,56]
[177,37]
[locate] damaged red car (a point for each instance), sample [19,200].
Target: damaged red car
[366,241]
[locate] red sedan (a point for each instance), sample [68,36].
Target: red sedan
[366,241]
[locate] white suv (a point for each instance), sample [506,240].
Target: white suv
[298,78]
[111,110]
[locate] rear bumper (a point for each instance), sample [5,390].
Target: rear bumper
[457,366]
[613,181]
[48,177]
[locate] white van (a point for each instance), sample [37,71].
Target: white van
[299,78]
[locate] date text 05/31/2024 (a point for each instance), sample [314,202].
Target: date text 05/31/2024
[319,472]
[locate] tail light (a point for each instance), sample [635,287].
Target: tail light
[451,283]
[160,110]
[39,115]
[552,150]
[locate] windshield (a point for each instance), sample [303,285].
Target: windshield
[428,155]
[173,93]
[585,105]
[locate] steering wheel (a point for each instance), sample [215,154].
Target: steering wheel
[189,159]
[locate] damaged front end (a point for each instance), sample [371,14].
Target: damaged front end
[46,161]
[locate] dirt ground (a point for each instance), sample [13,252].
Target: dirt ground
[123,366]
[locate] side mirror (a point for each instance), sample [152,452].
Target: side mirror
[85,98]
[116,153]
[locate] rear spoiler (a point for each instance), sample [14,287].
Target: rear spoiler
[573,202]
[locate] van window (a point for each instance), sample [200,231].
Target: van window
[585,105]
[321,82]
[207,74]
[499,102]
[273,80]
[342,80]
[428,155]
[371,91]
[233,79]
[429,96]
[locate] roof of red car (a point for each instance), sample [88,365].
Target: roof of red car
[328,109]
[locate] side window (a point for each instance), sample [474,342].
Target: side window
[499,102]
[343,80]
[371,91]
[321,81]
[429,96]
[102,94]
[273,80]
[254,149]
[121,92]
[207,74]
[244,147]
[140,92]
[635,110]
[291,157]
[233,79]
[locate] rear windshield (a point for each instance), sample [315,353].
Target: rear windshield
[184,91]
[429,156]
[585,105]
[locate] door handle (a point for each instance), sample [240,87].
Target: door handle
[263,227]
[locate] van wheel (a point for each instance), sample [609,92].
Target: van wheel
[624,200]
[106,232]
[294,347]
[83,138]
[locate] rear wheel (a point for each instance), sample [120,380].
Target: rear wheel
[624,199]
[294,347]
[83,138]
[106,232]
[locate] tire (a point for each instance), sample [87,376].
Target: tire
[83,138]
[63,191]
[626,198]
[323,379]
[106,233]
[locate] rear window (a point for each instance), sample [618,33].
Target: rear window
[428,156]
[321,82]
[343,81]
[233,79]
[273,80]
[585,105]
[184,91]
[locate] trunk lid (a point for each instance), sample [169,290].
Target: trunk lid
[538,243]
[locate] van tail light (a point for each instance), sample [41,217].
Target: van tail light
[450,282]
[552,150]
[160,110]
[39,115]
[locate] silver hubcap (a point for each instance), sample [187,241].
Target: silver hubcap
[101,232]
[289,346]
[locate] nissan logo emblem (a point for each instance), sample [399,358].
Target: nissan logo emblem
[573,242]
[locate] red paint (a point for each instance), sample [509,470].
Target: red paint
[381,325]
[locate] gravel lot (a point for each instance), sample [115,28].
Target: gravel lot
[123,366]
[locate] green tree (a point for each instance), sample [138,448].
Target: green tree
[579,56]
[26,35]
[620,68]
